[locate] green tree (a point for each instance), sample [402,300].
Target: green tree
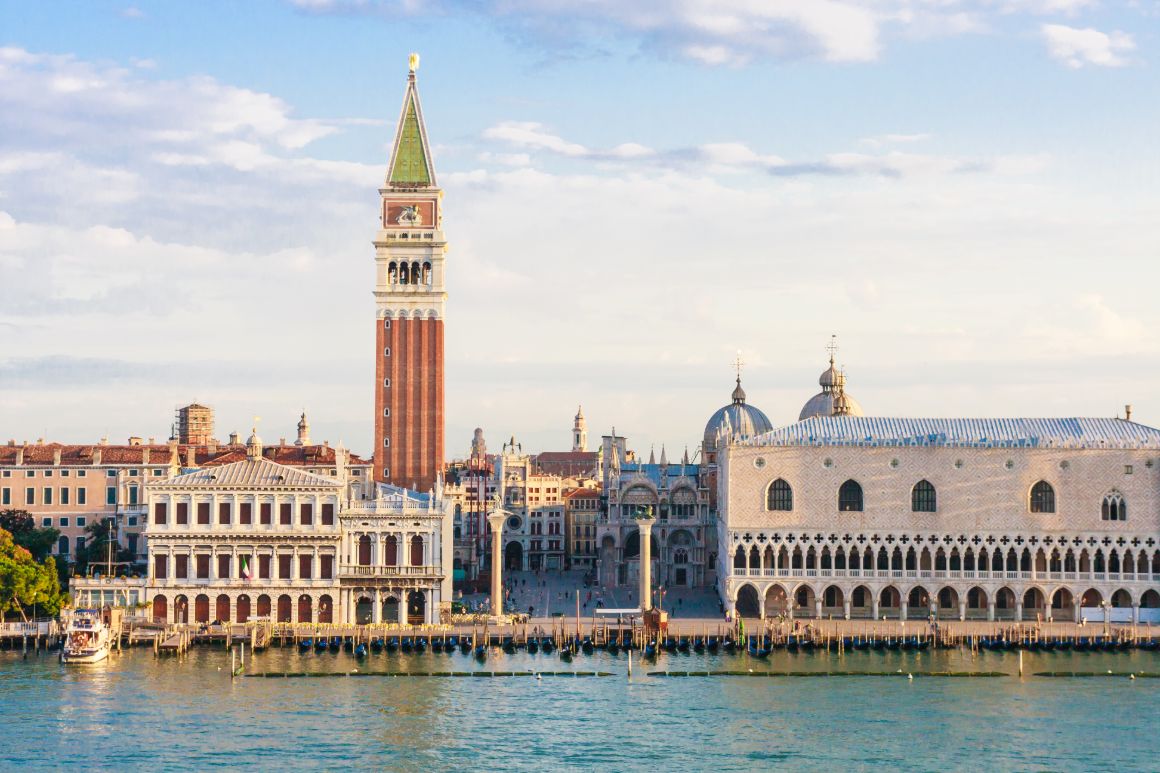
[101,547]
[37,541]
[25,583]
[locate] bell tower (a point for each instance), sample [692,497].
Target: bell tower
[410,302]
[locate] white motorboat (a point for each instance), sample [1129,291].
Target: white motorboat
[86,638]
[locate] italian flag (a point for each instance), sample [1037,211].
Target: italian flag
[246,573]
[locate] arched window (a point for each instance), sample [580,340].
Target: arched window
[1042,498]
[780,496]
[850,497]
[923,498]
[1114,508]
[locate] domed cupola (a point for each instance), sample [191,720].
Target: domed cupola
[741,418]
[833,400]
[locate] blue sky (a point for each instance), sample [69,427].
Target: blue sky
[963,190]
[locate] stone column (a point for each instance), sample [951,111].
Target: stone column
[874,607]
[645,525]
[903,608]
[962,609]
[377,612]
[1136,613]
[1018,611]
[818,608]
[403,601]
[846,608]
[1078,610]
[495,520]
[991,610]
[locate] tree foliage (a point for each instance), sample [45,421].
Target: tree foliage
[26,584]
[96,552]
[25,533]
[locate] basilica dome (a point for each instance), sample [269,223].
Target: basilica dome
[833,400]
[743,419]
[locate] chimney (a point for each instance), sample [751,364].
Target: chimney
[152,441]
[1127,413]
[145,453]
[96,456]
[20,456]
[56,456]
[211,445]
[234,439]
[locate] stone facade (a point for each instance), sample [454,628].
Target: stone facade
[980,550]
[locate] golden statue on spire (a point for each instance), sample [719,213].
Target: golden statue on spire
[413,61]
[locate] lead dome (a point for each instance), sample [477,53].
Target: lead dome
[744,419]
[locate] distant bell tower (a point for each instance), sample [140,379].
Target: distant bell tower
[410,301]
[579,431]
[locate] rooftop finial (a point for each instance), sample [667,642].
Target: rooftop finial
[738,364]
[413,62]
[832,347]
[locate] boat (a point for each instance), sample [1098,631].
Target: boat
[360,651]
[86,639]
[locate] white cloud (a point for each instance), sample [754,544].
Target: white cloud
[1078,47]
[724,32]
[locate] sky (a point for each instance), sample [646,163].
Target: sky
[965,192]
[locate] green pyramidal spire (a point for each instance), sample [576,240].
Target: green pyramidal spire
[410,163]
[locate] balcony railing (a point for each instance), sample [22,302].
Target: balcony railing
[945,574]
[358,570]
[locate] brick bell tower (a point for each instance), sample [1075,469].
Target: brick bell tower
[410,301]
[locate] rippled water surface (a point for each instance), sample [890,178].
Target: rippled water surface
[137,711]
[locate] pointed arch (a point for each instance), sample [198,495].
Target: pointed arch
[850,497]
[779,497]
[923,498]
[1042,498]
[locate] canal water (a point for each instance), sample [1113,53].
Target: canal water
[137,711]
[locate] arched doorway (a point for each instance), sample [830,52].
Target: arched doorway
[513,557]
[222,611]
[976,603]
[264,606]
[243,608]
[201,608]
[632,545]
[776,601]
[1034,605]
[1062,605]
[364,550]
[363,610]
[1004,604]
[160,609]
[1121,599]
[861,601]
[1092,598]
[181,610]
[918,602]
[305,613]
[889,601]
[833,601]
[747,603]
[804,601]
[416,607]
[390,610]
[325,609]
[948,602]
[285,606]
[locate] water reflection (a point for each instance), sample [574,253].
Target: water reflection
[137,710]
